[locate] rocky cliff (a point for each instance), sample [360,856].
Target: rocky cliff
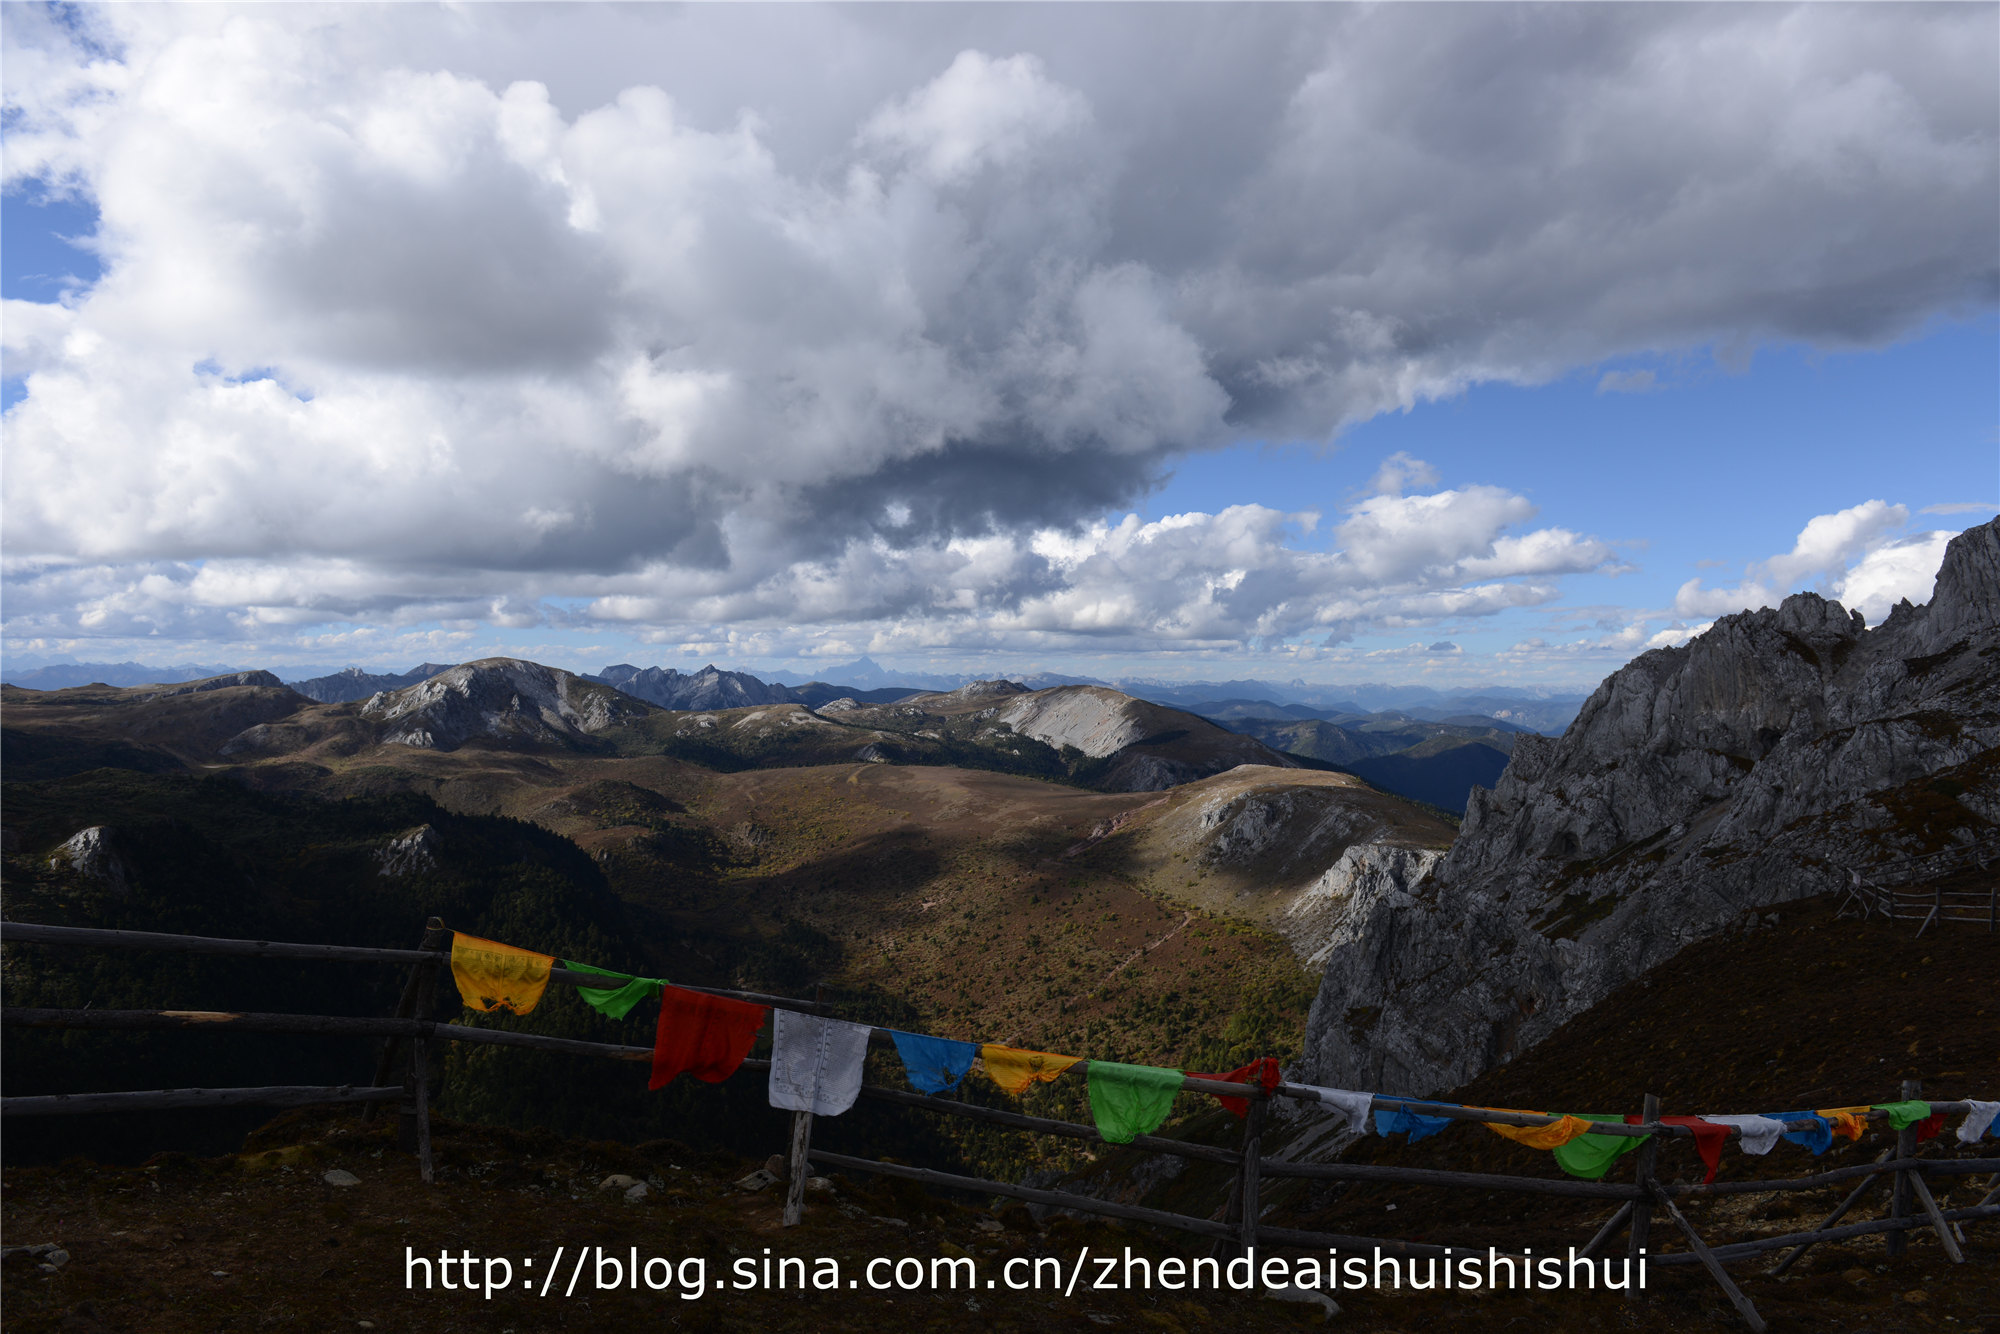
[1758,763]
[354,683]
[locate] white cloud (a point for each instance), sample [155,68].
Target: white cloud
[1627,382]
[1891,572]
[1852,555]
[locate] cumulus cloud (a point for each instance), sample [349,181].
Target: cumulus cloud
[1854,555]
[485,315]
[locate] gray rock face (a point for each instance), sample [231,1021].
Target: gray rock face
[499,698]
[93,854]
[709,688]
[411,852]
[1754,765]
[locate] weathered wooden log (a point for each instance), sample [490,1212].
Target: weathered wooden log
[1835,1175]
[1059,1199]
[277,1095]
[1742,1249]
[34,933]
[1043,1125]
[1424,1176]
[325,1025]
[1861,1188]
[1899,1195]
[1742,1303]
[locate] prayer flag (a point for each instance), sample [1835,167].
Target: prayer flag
[816,1063]
[1013,1069]
[1978,1120]
[1591,1156]
[1903,1114]
[617,1002]
[1130,1100]
[1551,1136]
[492,976]
[934,1065]
[1817,1136]
[1263,1072]
[1708,1140]
[1760,1133]
[1848,1122]
[702,1035]
[1403,1121]
[1352,1107]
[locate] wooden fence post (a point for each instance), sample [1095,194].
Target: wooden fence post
[798,1165]
[800,1168]
[413,1131]
[1642,1210]
[1253,1150]
[1899,1199]
[406,1007]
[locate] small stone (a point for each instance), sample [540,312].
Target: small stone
[757,1180]
[990,1225]
[339,1176]
[618,1181]
[637,1191]
[820,1184]
[56,1258]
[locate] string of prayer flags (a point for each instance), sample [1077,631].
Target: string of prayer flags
[1014,1069]
[1591,1156]
[1817,1136]
[1262,1072]
[1127,1101]
[1760,1133]
[1848,1122]
[1978,1120]
[702,1035]
[1352,1107]
[934,1065]
[816,1063]
[492,976]
[1551,1136]
[1416,1125]
[616,1002]
[1708,1140]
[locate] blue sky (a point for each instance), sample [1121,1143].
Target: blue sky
[971,351]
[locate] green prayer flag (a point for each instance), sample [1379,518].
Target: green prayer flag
[614,1003]
[1130,1100]
[1591,1156]
[1903,1115]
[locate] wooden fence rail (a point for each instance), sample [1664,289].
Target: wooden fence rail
[1240,1230]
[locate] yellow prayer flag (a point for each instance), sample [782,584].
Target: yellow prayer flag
[1551,1136]
[492,976]
[1849,1121]
[1013,1069]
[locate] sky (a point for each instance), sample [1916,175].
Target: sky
[1456,345]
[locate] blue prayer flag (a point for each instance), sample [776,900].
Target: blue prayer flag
[934,1065]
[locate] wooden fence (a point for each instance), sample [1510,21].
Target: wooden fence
[407,1036]
[1887,889]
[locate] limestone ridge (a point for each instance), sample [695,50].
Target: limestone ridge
[1753,765]
[705,690]
[500,698]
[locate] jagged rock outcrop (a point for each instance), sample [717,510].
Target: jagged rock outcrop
[1335,908]
[93,854]
[1756,764]
[411,852]
[353,683]
[499,698]
[708,689]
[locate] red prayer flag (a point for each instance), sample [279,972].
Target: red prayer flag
[1263,1072]
[1930,1126]
[1708,1140]
[702,1035]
